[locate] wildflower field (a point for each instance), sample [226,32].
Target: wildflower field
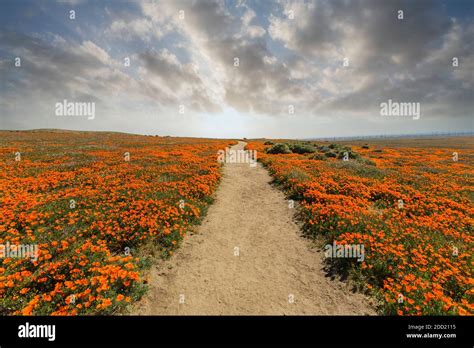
[92,202]
[410,205]
[100,206]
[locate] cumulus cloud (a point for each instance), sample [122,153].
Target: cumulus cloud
[408,59]
[58,69]
[331,60]
[250,76]
[387,57]
[180,83]
[134,29]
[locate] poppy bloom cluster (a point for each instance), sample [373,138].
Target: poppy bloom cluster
[90,201]
[410,207]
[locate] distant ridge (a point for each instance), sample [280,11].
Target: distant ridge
[341,138]
[382,136]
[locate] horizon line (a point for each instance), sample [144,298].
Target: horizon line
[349,137]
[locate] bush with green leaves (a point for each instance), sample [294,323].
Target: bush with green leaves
[279,148]
[302,149]
[324,149]
[351,154]
[318,157]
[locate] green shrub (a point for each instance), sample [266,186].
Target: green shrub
[318,157]
[279,149]
[352,154]
[344,148]
[302,149]
[324,149]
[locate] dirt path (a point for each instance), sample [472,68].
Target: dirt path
[275,272]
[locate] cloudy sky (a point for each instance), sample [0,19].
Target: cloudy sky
[238,68]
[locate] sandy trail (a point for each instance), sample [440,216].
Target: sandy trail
[275,272]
